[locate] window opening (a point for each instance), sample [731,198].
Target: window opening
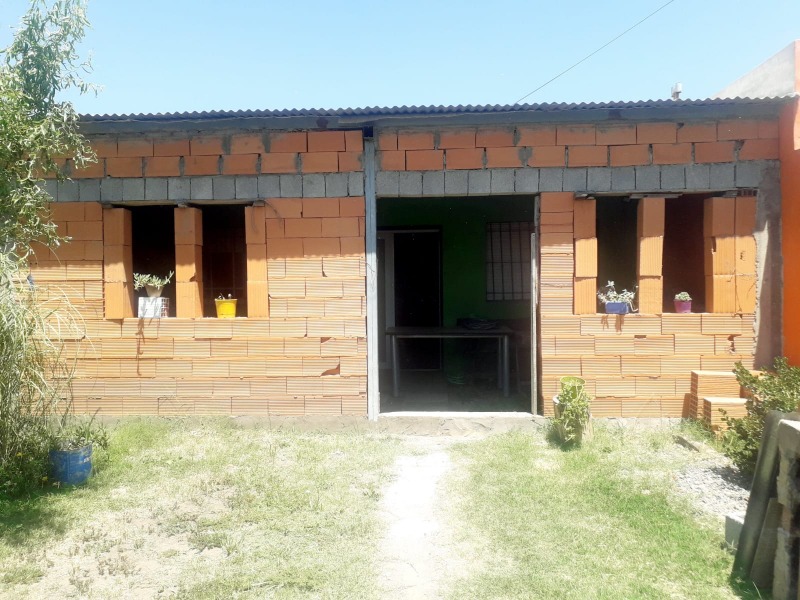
[224,257]
[617,242]
[508,259]
[153,239]
[684,263]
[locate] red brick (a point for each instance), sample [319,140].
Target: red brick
[759,149]
[273,228]
[392,160]
[548,156]
[247,143]
[170,147]
[352,207]
[494,138]
[672,154]
[240,164]
[537,135]
[292,141]
[67,211]
[201,165]
[284,208]
[305,227]
[162,166]
[697,132]
[387,140]
[504,157]
[424,160]
[95,169]
[713,152]
[205,146]
[340,227]
[626,156]
[321,247]
[410,140]
[768,129]
[465,158]
[657,133]
[320,162]
[279,162]
[85,230]
[354,141]
[320,207]
[93,211]
[616,135]
[326,141]
[737,129]
[134,147]
[576,135]
[284,248]
[350,161]
[456,138]
[93,250]
[104,148]
[124,167]
[588,156]
[352,245]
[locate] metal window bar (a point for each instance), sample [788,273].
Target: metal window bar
[508,261]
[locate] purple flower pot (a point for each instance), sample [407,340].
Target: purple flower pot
[683,306]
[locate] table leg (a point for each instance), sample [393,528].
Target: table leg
[395,369]
[499,362]
[506,375]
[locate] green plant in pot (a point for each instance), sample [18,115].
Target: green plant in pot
[153,284]
[616,303]
[72,449]
[572,413]
[683,302]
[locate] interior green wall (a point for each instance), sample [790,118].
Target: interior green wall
[463,225]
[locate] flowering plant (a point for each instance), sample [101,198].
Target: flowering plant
[610,294]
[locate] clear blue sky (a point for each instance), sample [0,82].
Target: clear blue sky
[177,55]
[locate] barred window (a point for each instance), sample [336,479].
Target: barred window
[508,261]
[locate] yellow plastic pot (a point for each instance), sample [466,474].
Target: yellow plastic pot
[226,308]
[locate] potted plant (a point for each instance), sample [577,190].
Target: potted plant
[153,284]
[71,451]
[226,307]
[572,414]
[683,302]
[616,303]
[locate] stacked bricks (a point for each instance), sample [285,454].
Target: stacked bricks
[578,146]
[117,262]
[650,225]
[189,262]
[585,224]
[557,253]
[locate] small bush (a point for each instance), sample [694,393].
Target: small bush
[775,389]
[572,412]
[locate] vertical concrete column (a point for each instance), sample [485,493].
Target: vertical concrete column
[117,263]
[256,240]
[585,234]
[745,247]
[649,264]
[720,254]
[189,262]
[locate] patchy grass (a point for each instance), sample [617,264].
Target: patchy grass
[593,522]
[191,508]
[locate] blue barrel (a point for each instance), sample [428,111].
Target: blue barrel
[71,467]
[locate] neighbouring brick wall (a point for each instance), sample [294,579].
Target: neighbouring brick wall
[301,350]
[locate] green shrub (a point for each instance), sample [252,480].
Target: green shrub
[774,389]
[572,411]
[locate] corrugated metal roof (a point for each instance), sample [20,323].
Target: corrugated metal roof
[375,111]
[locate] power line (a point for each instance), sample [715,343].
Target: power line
[585,58]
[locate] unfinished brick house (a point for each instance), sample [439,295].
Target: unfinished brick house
[333,227]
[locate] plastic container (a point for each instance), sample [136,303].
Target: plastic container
[226,308]
[617,308]
[71,467]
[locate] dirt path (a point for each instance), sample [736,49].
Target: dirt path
[417,554]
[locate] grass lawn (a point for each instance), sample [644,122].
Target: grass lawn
[595,522]
[200,509]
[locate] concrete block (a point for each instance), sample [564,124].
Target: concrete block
[246,188]
[575,180]
[502,181]
[433,183]
[224,188]
[673,177]
[355,184]
[156,188]
[733,528]
[387,183]
[291,186]
[50,187]
[110,191]
[456,183]
[648,179]
[623,179]
[749,174]
[410,184]
[269,186]
[178,189]
[68,191]
[526,181]
[89,190]
[314,185]
[598,180]
[551,180]
[336,185]
[698,177]
[721,176]
[133,188]
[479,183]
[200,188]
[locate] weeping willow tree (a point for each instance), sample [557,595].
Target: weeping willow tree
[36,129]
